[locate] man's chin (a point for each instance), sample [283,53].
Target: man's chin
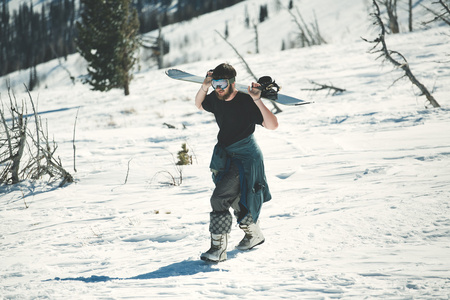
[219,95]
[222,95]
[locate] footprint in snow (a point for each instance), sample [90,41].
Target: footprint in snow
[285,175]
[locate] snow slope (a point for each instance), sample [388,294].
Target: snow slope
[198,39]
[360,184]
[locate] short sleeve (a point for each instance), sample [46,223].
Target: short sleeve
[256,114]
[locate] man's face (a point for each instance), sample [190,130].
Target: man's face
[224,94]
[223,88]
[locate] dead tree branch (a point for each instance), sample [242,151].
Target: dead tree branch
[72,78]
[12,143]
[239,55]
[37,128]
[391,10]
[307,36]
[277,109]
[20,159]
[388,55]
[444,15]
[255,28]
[157,45]
[320,87]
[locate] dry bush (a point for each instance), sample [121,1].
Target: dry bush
[25,150]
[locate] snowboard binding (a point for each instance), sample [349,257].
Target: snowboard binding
[269,89]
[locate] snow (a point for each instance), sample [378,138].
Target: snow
[360,180]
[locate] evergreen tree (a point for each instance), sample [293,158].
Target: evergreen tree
[263,13]
[4,37]
[107,39]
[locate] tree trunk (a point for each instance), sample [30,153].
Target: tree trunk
[255,27]
[160,42]
[391,10]
[126,88]
[392,13]
[402,65]
[410,15]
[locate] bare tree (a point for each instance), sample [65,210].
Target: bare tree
[158,45]
[255,28]
[443,14]
[410,15]
[26,153]
[308,35]
[277,109]
[388,55]
[12,142]
[391,10]
[330,88]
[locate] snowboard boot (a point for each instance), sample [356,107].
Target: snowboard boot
[220,227]
[218,250]
[253,236]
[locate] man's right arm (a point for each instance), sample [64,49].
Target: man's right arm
[203,91]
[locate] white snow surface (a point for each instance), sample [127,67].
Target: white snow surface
[360,180]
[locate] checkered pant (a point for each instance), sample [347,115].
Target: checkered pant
[226,195]
[220,222]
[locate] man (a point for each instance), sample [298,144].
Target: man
[237,162]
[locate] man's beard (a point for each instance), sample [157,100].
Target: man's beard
[225,96]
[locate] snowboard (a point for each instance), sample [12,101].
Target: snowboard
[281,98]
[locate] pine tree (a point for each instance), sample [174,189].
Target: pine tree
[107,39]
[4,37]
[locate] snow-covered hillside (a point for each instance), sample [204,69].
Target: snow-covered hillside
[360,180]
[197,39]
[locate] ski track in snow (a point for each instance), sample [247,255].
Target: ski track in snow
[360,186]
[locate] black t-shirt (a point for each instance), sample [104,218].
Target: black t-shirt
[236,118]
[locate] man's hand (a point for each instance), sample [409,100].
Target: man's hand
[254,91]
[208,79]
[269,119]
[201,94]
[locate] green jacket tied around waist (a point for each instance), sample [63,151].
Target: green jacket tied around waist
[247,155]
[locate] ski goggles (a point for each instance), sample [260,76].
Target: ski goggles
[221,83]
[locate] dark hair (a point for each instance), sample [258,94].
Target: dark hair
[224,71]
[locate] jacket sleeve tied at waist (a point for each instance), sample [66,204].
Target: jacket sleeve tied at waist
[247,155]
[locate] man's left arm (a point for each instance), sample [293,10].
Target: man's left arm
[270,121]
